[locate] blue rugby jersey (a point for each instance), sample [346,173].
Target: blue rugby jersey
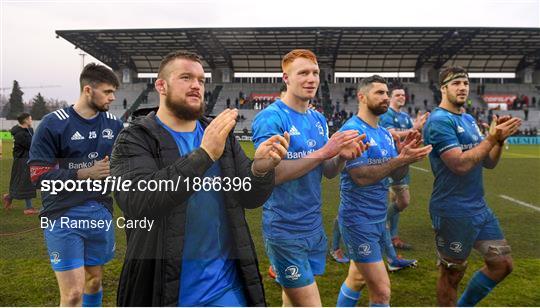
[397,120]
[366,204]
[70,142]
[294,208]
[207,270]
[454,195]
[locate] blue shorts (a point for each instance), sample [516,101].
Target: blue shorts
[297,261]
[364,242]
[404,181]
[74,243]
[455,236]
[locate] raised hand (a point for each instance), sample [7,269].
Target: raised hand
[215,134]
[270,153]
[420,121]
[413,139]
[504,127]
[100,170]
[411,153]
[354,149]
[337,142]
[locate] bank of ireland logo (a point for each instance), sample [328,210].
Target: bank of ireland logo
[107,133]
[311,143]
[55,257]
[291,272]
[456,247]
[364,249]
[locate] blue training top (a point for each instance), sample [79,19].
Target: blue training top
[454,195]
[366,204]
[207,270]
[70,142]
[294,208]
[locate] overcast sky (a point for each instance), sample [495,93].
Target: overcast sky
[32,55]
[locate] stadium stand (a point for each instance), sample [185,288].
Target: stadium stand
[423,51]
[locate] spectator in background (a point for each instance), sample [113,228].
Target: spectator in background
[124,103]
[425,104]
[20,186]
[228,102]
[533,101]
[526,111]
[236,103]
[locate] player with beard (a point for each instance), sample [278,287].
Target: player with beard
[200,252]
[75,143]
[459,213]
[364,194]
[400,124]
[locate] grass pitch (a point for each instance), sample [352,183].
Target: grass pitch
[28,280]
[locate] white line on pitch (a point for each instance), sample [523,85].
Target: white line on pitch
[520,202]
[521,155]
[418,168]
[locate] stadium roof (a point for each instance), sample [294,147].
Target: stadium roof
[344,49]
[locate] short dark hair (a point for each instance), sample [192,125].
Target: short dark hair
[94,74]
[450,73]
[179,54]
[366,83]
[23,116]
[395,88]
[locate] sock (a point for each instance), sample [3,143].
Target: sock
[479,287]
[92,300]
[378,305]
[389,249]
[394,224]
[393,219]
[28,203]
[347,297]
[336,235]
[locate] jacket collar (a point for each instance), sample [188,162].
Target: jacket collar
[149,122]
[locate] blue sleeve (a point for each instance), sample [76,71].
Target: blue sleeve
[441,135]
[44,152]
[358,162]
[265,125]
[393,147]
[325,127]
[362,159]
[386,121]
[409,122]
